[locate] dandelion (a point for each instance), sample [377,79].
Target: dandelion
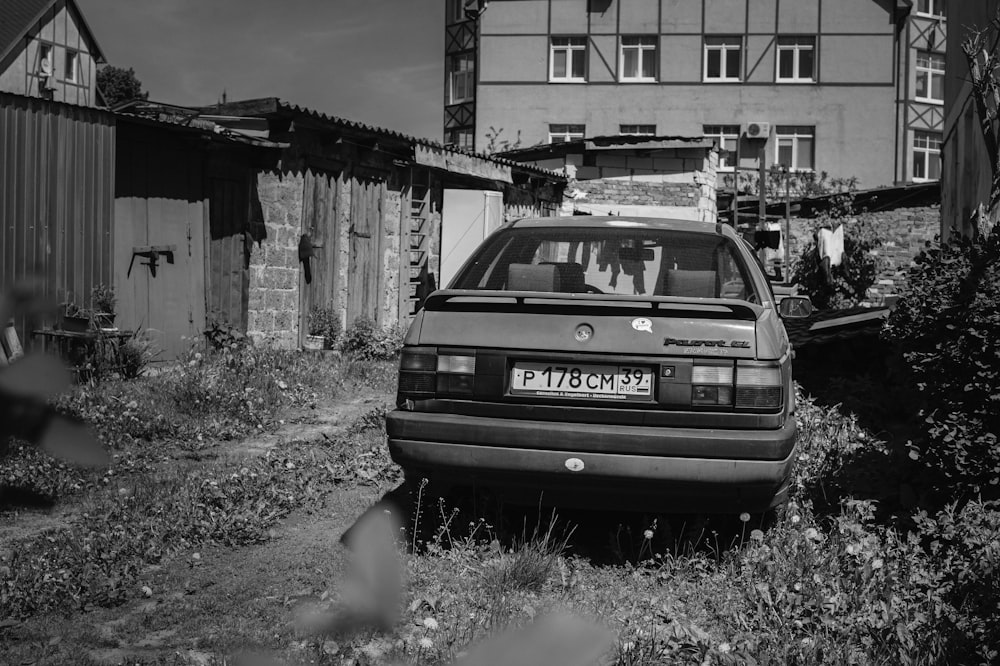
[648,534]
[854,549]
[744,517]
[757,535]
[725,648]
[430,623]
[795,520]
[425,643]
[812,534]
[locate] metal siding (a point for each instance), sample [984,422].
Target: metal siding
[55,198]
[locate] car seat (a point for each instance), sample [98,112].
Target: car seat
[696,284]
[533,277]
[571,276]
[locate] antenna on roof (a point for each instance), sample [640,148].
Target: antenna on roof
[223,95]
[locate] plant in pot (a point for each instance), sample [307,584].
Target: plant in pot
[324,328]
[102,299]
[74,318]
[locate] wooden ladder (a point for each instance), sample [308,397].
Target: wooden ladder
[419,237]
[10,346]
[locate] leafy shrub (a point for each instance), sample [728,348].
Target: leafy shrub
[102,298]
[366,340]
[221,334]
[133,357]
[325,321]
[945,327]
[861,263]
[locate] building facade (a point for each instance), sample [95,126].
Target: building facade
[48,51]
[850,88]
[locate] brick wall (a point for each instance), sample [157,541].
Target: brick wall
[272,311]
[638,193]
[907,230]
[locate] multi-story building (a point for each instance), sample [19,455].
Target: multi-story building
[47,50]
[847,87]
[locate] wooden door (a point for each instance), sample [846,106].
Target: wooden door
[365,275]
[320,221]
[229,246]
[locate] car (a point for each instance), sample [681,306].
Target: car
[603,362]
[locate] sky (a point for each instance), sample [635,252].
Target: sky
[380,62]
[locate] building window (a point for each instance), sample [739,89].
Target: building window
[564,133]
[931,8]
[459,138]
[637,130]
[795,147]
[45,67]
[455,10]
[638,59]
[726,136]
[568,59]
[930,77]
[461,78]
[926,156]
[796,59]
[723,58]
[72,65]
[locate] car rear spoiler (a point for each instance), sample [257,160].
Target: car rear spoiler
[499,301]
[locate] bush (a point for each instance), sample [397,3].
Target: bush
[945,328]
[861,263]
[366,340]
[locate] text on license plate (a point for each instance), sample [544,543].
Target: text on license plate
[606,382]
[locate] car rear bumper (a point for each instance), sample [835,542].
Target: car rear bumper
[583,464]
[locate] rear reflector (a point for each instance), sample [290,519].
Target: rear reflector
[758,385]
[418,358]
[768,397]
[413,383]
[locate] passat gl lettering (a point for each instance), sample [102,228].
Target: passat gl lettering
[680,342]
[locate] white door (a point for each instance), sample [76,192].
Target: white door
[467,217]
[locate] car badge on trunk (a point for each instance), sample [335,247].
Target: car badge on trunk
[643,324]
[583,333]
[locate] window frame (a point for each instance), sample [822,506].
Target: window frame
[455,12]
[567,135]
[936,7]
[71,55]
[929,72]
[721,136]
[465,74]
[791,44]
[647,44]
[927,153]
[569,48]
[795,135]
[719,43]
[650,129]
[46,46]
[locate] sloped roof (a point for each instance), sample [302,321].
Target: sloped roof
[615,142]
[18,17]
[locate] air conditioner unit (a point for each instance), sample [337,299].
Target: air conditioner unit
[758,130]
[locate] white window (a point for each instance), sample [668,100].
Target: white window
[726,136]
[637,130]
[455,10]
[45,63]
[926,156]
[930,77]
[568,59]
[723,58]
[564,133]
[459,138]
[72,65]
[461,78]
[795,147]
[638,59]
[796,59]
[931,7]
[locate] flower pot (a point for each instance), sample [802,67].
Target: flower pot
[314,342]
[105,320]
[75,324]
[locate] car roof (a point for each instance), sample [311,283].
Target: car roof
[618,222]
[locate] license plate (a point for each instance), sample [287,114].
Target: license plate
[582,381]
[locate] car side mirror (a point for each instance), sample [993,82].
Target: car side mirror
[795,307]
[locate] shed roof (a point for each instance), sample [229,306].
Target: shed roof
[615,142]
[18,17]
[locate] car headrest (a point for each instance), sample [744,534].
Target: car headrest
[571,276]
[533,277]
[699,284]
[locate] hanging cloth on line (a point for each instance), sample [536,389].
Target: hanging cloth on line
[831,245]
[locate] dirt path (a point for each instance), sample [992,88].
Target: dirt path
[219,600]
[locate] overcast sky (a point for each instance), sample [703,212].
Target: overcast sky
[376,61]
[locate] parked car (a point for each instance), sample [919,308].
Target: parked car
[603,361]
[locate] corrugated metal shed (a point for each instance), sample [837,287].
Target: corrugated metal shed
[56,196]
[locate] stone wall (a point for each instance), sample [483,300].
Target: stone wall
[273,307]
[907,230]
[638,193]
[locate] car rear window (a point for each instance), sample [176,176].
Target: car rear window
[624,261]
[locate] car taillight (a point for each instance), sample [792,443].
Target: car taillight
[426,372]
[758,385]
[712,385]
